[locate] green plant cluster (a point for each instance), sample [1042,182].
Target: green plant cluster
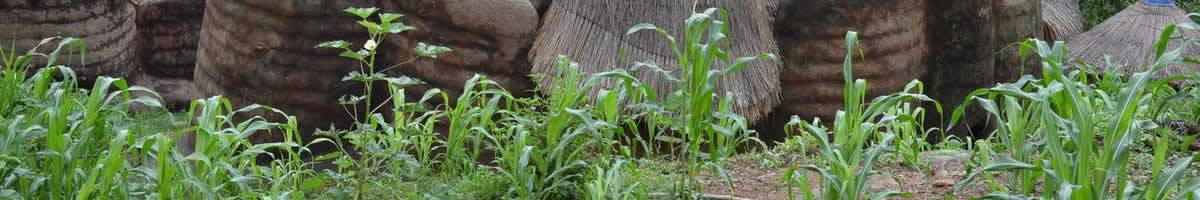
[1070,134]
[1067,135]
[61,141]
[562,145]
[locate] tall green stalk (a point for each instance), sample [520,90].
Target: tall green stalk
[1083,157]
[706,117]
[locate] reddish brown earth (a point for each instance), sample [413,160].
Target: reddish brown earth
[754,181]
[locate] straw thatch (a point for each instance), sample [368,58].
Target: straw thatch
[1129,38]
[1063,19]
[593,34]
[812,39]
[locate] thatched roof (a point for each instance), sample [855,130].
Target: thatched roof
[1062,18]
[593,34]
[1129,38]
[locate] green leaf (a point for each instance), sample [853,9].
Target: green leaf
[889,194]
[402,81]
[362,13]
[430,51]
[643,26]
[1003,163]
[387,18]
[371,26]
[742,62]
[341,44]
[1164,38]
[314,183]
[398,28]
[1171,179]
[1003,196]
[360,55]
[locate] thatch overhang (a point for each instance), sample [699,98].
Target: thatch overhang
[1128,40]
[592,33]
[1062,18]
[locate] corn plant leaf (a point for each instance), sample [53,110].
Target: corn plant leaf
[1003,196]
[829,176]
[1170,179]
[1002,163]
[889,194]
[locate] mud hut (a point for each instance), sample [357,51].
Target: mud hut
[1016,21]
[963,43]
[106,26]
[262,52]
[812,41]
[487,37]
[168,33]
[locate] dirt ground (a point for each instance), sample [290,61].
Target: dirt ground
[937,181]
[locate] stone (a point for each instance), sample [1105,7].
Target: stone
[882,182]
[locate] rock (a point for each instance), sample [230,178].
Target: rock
[946,163]
[944,182]
[946,167]
[882,182]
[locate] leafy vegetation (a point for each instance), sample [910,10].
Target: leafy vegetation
[61,141]
[1075,137]
[1070,134]
[1096,11]
[847,160]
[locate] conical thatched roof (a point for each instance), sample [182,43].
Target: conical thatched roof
[1129,38]
[1062,18]
[592,33]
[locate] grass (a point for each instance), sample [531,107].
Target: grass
[1067,135]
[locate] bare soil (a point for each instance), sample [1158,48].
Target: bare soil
[752,180]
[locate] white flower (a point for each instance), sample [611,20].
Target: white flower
[370,45]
